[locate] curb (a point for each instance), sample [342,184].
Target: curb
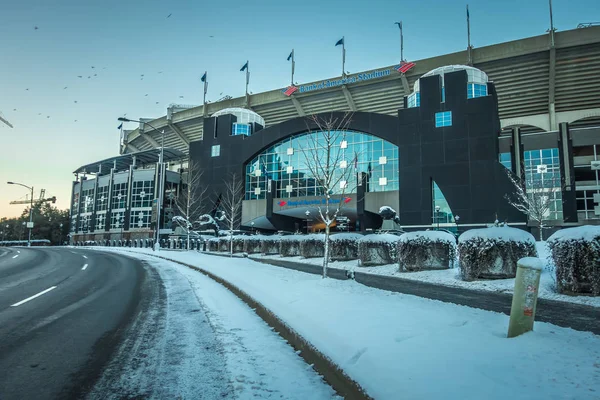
[323,365]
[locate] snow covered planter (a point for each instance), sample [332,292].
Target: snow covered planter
[313,246]
[576,255]
[289,246]
[425,250]
[224,244]
[212,244]
[492,253]
[252,244]
[344,246]
[270,244]
[378,249]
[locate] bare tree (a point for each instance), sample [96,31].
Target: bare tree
[534,195]
[190,200]
[328,165]
[231,204]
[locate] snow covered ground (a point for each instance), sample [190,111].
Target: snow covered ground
[450,277]
[205,344]
[401,346]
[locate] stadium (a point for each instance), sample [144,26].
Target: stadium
[432,143]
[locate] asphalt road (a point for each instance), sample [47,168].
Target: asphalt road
[63,313]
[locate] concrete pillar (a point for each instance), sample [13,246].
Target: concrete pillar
[517,152]
[527,283]
[552,89]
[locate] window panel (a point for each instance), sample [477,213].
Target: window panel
[119,198]
[443,119]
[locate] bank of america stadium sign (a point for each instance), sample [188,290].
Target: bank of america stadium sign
[331,83]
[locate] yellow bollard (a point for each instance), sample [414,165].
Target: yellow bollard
[527,283]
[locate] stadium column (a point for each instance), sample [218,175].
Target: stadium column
[93,217]
[516,151]
[129,196]
[78,220]
[109,205]
[73,209]
[551,89]
[565,151]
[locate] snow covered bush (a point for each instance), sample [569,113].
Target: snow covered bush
[576,255]
[344,246]
[492,253]
[212,244]
[313,246]
[224,244]
[425,250]
[289,246]
[377,249]
[252,244]
[270,244]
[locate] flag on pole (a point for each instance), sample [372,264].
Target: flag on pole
[203,79]
[340,42]
[245,67]
[120,126]
[291,55]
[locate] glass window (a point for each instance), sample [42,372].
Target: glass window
[543,178]
[441,209]
[443,119]
[443,94]
[506,160]
[87,203]
[414,100]
[476,90]
[119,198]
[117,220]
[142,194]
[354,152]
[140,219]
[240,129]
[215,151]
[102,198]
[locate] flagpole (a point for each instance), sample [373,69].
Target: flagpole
[551,25]
[205,87]
[401,43]
[469,56]
[343,56]
[293,66]
[247,77]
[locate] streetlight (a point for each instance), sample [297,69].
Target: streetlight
[60,226]
[456,219]
[307,213]
[252,225]
[437,216]
[30,224]
[162,178]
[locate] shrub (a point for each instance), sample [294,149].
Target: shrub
[252,244]
[270,244]
[213,244]
[425,250]
[224,244]
[377,249]
[344,246]
[576,255]
[492,253]
[313,246]
[289,246]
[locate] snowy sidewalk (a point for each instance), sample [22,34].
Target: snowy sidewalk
[400,346]
[201,342]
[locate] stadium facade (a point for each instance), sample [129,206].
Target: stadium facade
[433,143]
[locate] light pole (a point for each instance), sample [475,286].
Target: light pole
[60,226]
[307,213]
[456,219]
[30,224]
[437,216]
[252,225]
[160,183]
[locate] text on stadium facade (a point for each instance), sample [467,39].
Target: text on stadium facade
[365,76]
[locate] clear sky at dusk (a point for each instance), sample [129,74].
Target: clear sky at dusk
[62,121]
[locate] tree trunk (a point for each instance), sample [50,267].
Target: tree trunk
[541,232]
[326,253]
[188,239]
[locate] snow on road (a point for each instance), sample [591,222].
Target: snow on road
[401,346]
[199,341]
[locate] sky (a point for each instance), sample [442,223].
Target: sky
[69,69]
